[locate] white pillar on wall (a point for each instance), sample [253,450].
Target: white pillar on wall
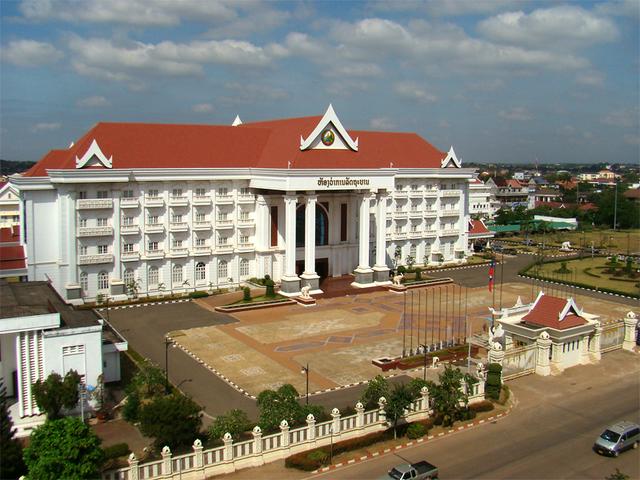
[309,275]
[290,282]
[364,273]
[381,270]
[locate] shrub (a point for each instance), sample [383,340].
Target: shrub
[483,406]
[437,419]
[416,430]
[402,270]
[494,381]
[198,294]
[115,451]
[131,408]
[504,395]
[55,393]
[246,294]
[418,273]
[234,422]
[173,420]
[270,286]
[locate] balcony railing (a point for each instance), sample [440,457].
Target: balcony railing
[178,226]
[451,193]
[245,246]
[400,214]
[154,227]
[450,232]
[129,229]
[400,194]
[430,233]
[129,256]
[179,251]
[94,203]
[178,201]
[154,253]
[201,250]
[246,198]
[415,214]
[415,193]
[95,231]
[201,200]
[416,234]
[245,222]
[224,198]
[224,223]
[202,225]
[431,193]
[95,259]
[224,247]
[154,202]
[449,213]
[129,202]
[430,213]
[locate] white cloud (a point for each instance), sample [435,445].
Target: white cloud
[414,92]
[124,61]
[42,127]
[245,93]
[444,124]
[516,113]
[93,102]
[468,7]
[627,8]
[561,27]
[352,69]
[621,118]
[129,12]
[382,123]
[202,108]
[30,53]
[591,79]
[632,138]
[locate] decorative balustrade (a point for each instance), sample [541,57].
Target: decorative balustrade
[178,226]
[178,201]
[450,232]
[129,202]
[201,250]
[95,231]
[129,229]
[154,227]
[260,450]
[154,202]
[94,203]
[129,256]
[201,200]
[451,193]
[202,225]
[95,259]
[179,251]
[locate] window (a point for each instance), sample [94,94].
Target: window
[223,240]
[127,221]
[102,222]
[103,194]
[127,194]
[103,281]
[152,246]
[414,228]
[343,222]
[322,225]
[200,217]
[176,274]
[176,243]
[152,220]
[82,195]
[274,227]
[200,192]
[102,249]
[244,215]
[222,216]
[83,250]
[84,282]
[223,191]
[200,272]
[82,222]
[244,239]
[427,249]
[176,192]
[153,193]
[128,276]
[152,278]
[176,218]
[245,191]
[244,267]
[413,251]
[414,187]
[127,248]
[200,242]
[222,270]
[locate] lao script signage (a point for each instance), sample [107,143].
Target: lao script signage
[346,182]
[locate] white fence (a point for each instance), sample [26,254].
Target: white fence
[260,450]
[612,336]
[519,362]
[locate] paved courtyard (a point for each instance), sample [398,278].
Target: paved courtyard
[339,337]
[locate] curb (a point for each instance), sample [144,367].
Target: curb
[145,304]
[575,286]
[418,441]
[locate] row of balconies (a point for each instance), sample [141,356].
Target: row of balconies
[427,214]
[426,193]
[174,201]
[415,234]
[176,252]
[104,231]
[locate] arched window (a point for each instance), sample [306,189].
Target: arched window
[128,277]
[153,277]
[84,282]
[176,274]
[201,272]
[223,271]
[322,225]
[244,267]
[103,281]
[413,251]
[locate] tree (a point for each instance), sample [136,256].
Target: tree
[246,294]
[11,465]
[270,287]
[493,384]
[148,381]
[63,448]
[173,420]
[627,214]
[278,405]
[234,422]
[55,393]
[399,400]
[447,394]
[377,387]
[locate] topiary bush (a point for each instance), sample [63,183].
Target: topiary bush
[402,270]
[270,286]
[416,430]
[246,294]
[493,384]
[198,294]
[418,273]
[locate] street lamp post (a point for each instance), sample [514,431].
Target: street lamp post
[167,342]
[305,371]
[331,447]
[424,372]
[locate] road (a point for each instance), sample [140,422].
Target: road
[548,435]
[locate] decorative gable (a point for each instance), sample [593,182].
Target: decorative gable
[451,160]
[329,134]
[93,157]
[570,307]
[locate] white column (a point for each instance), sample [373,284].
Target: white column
[363,250]
[381,231]
[310,235]
[290,202]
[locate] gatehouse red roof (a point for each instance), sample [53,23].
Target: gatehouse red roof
[269,144]
[12,255]
[547,313]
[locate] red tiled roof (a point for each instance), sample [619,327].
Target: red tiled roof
[270,144]
[633,193]
[583,206]
[546,313]
[10,234]
[12,258]
[478,228]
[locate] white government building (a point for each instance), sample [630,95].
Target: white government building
[177,208]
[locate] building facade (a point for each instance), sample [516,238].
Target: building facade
[482,200]
[173,208]
[9,206]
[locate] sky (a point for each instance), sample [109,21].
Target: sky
[501,80]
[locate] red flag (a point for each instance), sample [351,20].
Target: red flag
[491,272]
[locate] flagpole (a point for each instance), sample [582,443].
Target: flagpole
[501,278]
[439,315]
[404,325]
[433,316]
[411,337]
[446,311]
[419,299]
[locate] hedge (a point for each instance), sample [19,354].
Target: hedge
[115,451]
[483,406]
[198,294]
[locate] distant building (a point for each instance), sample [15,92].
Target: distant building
[9,206]
[543,195]
[482,199]
[13,258]
[633,194]
[40,334]
[510,193]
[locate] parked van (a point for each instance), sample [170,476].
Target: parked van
[617,438]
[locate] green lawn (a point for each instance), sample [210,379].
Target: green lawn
[590,272]
[620,241]
[260,298]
